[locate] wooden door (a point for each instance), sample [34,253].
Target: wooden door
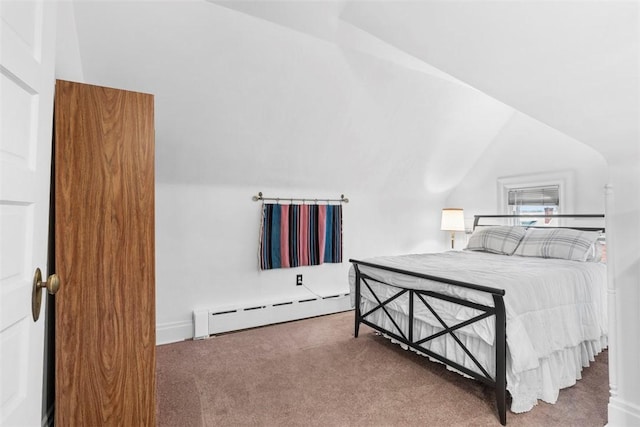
[104,256]
[27,36]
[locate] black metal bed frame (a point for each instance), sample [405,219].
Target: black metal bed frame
[499,381]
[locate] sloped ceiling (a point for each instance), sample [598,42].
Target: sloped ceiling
[359,95]
[571,64]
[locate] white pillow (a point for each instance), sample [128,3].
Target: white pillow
[496,239]
[596,252]
[562,243]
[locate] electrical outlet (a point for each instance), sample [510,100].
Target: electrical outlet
[299,280]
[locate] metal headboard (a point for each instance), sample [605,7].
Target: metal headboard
[477,219]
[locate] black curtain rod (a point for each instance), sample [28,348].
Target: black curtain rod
[342,199]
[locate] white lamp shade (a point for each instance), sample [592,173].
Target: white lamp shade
[452,219]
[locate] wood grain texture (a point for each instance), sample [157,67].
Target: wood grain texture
[105,256]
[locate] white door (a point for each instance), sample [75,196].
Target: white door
[27,43]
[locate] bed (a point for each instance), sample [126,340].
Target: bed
[523,309]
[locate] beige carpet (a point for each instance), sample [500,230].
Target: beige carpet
[315,373]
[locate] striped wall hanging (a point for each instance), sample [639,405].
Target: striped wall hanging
[294,235]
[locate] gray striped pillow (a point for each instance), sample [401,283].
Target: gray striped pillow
[496,239]
[563,243]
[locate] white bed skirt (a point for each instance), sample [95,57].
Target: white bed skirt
[559,370]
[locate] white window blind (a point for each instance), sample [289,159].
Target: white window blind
[535,196]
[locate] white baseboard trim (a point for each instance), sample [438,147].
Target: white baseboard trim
[622,413]
[227,319]
[170,332]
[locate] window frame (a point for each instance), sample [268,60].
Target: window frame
[563,179]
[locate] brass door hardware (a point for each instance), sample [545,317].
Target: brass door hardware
[52,284]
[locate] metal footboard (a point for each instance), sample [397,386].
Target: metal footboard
[419,296]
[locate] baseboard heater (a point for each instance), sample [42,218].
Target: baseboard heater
[217,321]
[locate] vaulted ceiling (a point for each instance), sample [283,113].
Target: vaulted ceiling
[409,94]
[570,64]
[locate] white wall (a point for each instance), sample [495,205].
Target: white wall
[207,248]
[623,254]
[244,105]
[68,61]
[524,147]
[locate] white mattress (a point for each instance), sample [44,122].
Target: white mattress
[556,314]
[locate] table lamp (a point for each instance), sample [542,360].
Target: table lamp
[452,220]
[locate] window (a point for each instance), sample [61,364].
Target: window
[544,200]
[536,194]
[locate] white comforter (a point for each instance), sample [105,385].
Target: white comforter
[556,310]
